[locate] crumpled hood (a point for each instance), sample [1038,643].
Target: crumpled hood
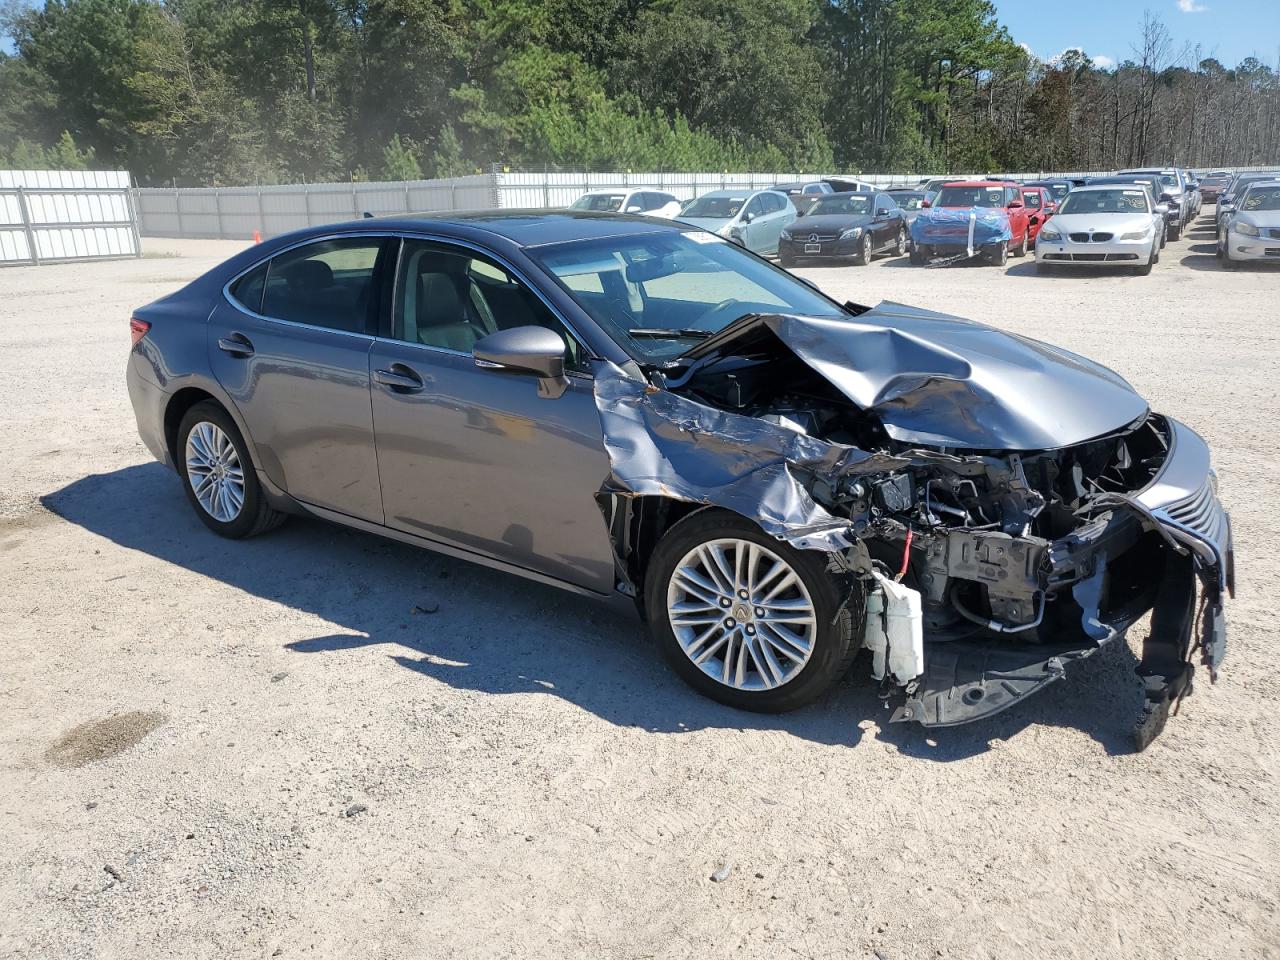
[938,380]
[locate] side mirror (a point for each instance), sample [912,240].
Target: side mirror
[633,209]
[747,217]
[1162,209]
[531,349]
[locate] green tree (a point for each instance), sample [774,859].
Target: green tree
[399,162]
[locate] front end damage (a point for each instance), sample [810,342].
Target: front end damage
[1001,526]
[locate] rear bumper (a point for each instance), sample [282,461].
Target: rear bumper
[149,402]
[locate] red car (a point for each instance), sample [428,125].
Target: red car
[1002,194]
[1040,207]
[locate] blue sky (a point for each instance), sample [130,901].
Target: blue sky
[1228,29]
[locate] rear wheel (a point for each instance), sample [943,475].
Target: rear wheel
[219,477]
[746,619]
[901,246]
[998,255]
[1021,249]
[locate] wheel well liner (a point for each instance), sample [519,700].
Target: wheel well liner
[176,409]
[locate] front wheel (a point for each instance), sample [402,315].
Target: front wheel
[748,620]
[219,476]
[863,256]
[1021,249]
[999,254]
[1175,231]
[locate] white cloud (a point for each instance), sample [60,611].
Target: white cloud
[1190,6]
[1102,62]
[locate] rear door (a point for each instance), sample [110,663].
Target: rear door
[472,457]
[290,346]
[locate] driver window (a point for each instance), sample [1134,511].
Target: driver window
[755,208]
[450,297]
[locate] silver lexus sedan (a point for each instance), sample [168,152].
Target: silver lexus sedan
[642,412]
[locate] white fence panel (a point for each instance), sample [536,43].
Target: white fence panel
[239,212]
[59,215]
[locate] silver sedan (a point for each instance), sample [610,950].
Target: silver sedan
[1103,225]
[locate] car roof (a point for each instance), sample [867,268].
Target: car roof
[743,192]
[1103,184]
[980,183]
[523,227]
[1275,182]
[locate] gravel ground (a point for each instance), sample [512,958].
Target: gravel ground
[260,749]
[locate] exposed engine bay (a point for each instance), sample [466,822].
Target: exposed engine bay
[986,569]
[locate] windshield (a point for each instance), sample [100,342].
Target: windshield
[1261,198]
[841,206]
[908,201]
[714,208]
[1119,200]
[606,202]
[659,293]
[971,197]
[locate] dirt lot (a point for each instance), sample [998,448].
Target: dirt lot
[260,749]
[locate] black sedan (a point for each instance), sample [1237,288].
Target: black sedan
[845,226]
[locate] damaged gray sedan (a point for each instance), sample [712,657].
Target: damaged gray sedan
[640,411]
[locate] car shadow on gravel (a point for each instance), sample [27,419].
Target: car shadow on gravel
[481,630]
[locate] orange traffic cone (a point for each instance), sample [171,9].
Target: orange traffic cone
[257,236]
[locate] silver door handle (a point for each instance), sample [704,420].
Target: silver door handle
[402,382]
[237,345]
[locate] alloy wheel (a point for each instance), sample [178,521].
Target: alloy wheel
[741,614]
[215,472]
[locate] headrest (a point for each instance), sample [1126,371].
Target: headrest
[309,274]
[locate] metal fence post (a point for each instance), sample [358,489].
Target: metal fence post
[306,202]
[25,213]
[177,208]
[217,209]
[135,215]
[262,217]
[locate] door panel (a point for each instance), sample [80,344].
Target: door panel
[475,459]
[304,395]
[291,350]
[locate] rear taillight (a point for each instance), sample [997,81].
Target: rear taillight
[138,329]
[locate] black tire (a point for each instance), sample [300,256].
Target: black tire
[1175,231]
[917,257]
[901,247]
[863,256]
[1155,253]
[838,601]
[1142,271]
[255,515]
[1021,249]
[998,255]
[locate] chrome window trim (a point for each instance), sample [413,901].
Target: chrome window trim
[588,353]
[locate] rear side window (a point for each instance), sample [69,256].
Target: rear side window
[247,291]
[330,284]
[1032,199]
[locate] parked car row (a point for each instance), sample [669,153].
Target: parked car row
[1123,219]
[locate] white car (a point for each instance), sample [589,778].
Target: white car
[1252,230]
[1102,225]
[645,201]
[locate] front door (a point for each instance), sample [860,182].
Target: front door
[292,351]
[472,457]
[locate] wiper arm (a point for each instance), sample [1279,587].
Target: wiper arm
[663,333]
